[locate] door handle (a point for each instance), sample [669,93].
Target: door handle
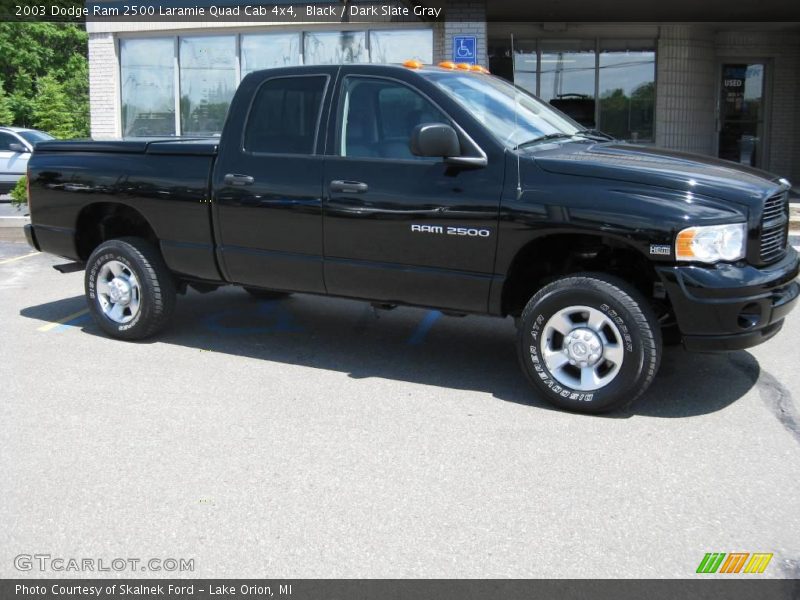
[235,179]
[348,187]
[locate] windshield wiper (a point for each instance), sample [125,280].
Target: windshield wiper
[595,134]
[542,138]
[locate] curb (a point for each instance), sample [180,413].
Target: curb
[18,222]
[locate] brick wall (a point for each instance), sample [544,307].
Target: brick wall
[462,18]
[689,58]
[104,86]
[686,89]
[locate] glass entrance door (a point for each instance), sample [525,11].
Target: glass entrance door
[742,108]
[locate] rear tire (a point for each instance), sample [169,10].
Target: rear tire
[262,294]
[589,343]
[129,289]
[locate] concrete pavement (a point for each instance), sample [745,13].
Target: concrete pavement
[313,437]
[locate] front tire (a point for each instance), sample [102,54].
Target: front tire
[129,289]
[589,343]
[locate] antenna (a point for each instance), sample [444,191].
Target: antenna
[516,114]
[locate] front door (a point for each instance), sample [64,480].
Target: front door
[401,228]
[742,111]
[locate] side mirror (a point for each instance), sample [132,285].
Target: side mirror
[441,141]
[17,147]
[435,139]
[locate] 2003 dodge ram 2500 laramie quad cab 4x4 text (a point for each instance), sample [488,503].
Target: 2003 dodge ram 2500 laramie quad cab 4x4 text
[439,187]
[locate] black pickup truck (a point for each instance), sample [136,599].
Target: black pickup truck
[441,187]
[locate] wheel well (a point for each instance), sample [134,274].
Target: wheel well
[548,258]
[104,221]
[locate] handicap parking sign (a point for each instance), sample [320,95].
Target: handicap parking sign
[465,49]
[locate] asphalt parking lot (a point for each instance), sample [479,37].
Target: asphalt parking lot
[314,437]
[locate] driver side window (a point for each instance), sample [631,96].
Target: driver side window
[6,139]
[379,116]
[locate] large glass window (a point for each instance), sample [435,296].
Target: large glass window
[566,78]
[147,69]
[399,45]
[603,84]
[284,116]
[526,66]
[269,51]
[627,88]
[207,70]
[335,47]
[208,81]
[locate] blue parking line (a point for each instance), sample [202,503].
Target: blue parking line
[271,314]
[424,328]
[72,323]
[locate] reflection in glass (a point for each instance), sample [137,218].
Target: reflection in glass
[284,116]
[627,88]
[400,45]
[742,113]
[269,51]
[525,65]
[208,81]
[566,77]
[512,115]
[332,48]
[148,87]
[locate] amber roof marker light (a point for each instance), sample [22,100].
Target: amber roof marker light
[449,65]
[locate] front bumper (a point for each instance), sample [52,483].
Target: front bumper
[727,307]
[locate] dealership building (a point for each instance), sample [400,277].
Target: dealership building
[651,73]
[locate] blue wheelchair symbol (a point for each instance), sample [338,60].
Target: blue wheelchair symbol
[465,49]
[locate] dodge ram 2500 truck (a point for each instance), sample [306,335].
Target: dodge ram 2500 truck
[442,187]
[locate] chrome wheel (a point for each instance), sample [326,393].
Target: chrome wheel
[582,348]
[118,291]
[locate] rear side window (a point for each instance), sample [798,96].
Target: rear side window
[285,115]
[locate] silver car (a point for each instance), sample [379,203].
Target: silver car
[16,145]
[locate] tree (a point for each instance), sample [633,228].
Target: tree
[6,115]
[51,111]
[19,193]
[30,51]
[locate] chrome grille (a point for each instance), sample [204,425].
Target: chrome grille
[774,208]
[774,227]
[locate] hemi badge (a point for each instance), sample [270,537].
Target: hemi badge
[660,249]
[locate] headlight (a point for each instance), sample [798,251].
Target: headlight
[711,243]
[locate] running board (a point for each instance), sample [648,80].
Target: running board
[70,267]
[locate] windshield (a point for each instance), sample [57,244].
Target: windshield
[510,113]
[35,136]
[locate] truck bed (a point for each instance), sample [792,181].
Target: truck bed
[162,182]
[169,145]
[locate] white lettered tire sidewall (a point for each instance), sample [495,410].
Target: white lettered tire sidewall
[157,288]
[631,315]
